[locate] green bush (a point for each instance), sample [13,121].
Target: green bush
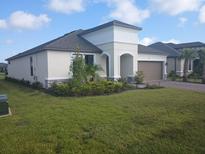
[194,76]
[86,89]
[37,85]
[139,77]
[172,75]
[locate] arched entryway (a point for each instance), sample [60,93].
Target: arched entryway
[126,65]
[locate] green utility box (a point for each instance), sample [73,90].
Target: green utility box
[4,107]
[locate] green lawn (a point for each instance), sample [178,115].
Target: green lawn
[142,121]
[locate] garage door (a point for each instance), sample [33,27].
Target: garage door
[151,70]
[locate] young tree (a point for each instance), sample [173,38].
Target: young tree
[202,60]
[78,69]
[187,54]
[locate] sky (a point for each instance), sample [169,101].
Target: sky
[25,24]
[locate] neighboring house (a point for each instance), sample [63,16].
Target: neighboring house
[174,62]
[114,46]
[3,67]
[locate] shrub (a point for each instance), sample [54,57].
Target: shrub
[37,85]
[139,77]
[194,76]
[172,75]
[60,89]
[86,89]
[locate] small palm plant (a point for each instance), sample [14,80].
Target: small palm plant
[187,54]
[91,72]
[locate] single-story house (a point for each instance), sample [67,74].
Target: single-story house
[174,62]
[114,46]
[3,67]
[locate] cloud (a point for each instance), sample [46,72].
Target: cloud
[175,7]
[127,11]
[148,40]
[7,42]
[182,21]
[3,24]
[67,6]
[23,20]
[202,14]
[175,41]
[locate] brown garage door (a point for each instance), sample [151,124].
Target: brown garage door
[151,70]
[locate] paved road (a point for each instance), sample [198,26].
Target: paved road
[182,85]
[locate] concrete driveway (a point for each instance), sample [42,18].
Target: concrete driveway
[181,85]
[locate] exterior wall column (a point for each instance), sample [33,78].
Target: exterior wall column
[116,66]
[164,70]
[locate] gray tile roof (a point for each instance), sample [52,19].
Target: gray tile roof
[186,45]
[68,42]
[112,23]
[171,52]
[148,50]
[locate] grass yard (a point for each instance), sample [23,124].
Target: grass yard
[144,121]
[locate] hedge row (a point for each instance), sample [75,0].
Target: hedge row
[87,89]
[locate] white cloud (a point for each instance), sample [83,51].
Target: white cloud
[175,41]
[148,40]
[175,7]
[202,14]
[67,6]
[182,21]
[3,24]
[127,11]
[7,42]
[23,20]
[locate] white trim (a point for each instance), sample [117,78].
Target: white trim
[111,42]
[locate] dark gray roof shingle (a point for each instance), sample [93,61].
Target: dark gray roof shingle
[186,45]
[68,42]
[148,50]
[171,52]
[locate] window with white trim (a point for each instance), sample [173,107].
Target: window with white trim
[89,59]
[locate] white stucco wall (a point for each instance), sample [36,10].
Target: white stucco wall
[125,35]
[101,36]
[115,41]
[152,57]
[59,64]
[20,68]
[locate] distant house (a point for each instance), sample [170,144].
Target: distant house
[3,67]
[114,46]
[174,62]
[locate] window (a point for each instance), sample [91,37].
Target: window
[31,66]
[89,59]
[190,65]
